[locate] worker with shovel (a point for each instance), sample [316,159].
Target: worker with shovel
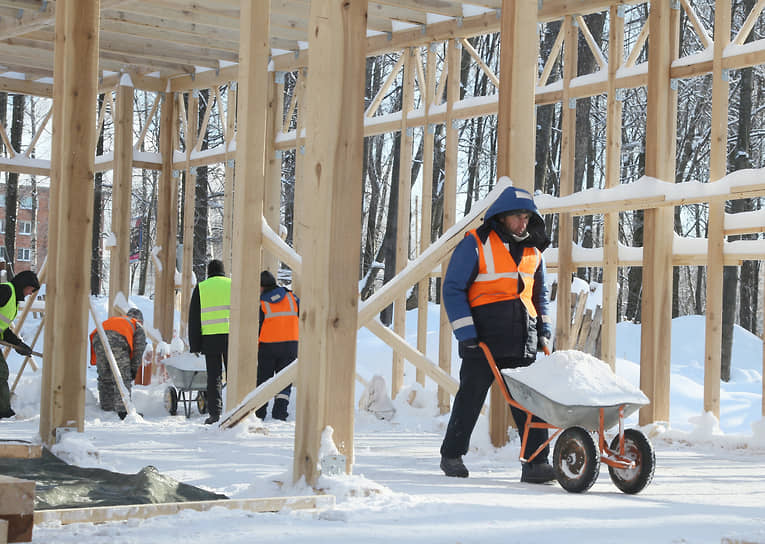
[11,294]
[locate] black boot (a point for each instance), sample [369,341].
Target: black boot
[537,473]
[212,419]
[9,413]
[454,467]
[122,415]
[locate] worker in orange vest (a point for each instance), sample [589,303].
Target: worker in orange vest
[278,339]
[127,340]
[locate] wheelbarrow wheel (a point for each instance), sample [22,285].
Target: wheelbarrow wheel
[202,402]
[637,448]
[171,400]
[576,460]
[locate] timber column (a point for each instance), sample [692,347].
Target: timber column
[62,401]
[252,91]
[515,130]
[656,300]
[332,176]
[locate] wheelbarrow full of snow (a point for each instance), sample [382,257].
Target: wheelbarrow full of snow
[579,398]
[188,375]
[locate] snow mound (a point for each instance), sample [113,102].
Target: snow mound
[574,378]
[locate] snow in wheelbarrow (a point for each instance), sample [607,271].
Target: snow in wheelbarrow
[568,388]
[187,373]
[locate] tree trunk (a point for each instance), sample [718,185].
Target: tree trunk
[12,187]
[201,210]
[98,213]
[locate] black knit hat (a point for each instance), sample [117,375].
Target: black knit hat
[215,268]
[26,278]
[267,280]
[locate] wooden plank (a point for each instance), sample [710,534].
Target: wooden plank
[228,191]
[19,450]
[122,194]
[584,330]
[253,106]
[576,325]
[334,157]
[189,201]
[590,343]
[103,514]
[717,169]
[17,501]
[4,531]
[655,352]
[261,395]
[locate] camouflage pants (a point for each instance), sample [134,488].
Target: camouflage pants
[108,394]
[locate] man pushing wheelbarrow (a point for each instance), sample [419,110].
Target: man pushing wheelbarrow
[494,292]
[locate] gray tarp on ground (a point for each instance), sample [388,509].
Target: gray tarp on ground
[60,485]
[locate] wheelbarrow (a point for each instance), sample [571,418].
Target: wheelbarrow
[577,455]
[188,374]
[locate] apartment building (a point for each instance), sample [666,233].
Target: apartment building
[27,257]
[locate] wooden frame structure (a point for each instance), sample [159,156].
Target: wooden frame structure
[247,47]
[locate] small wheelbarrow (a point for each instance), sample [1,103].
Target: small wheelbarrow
[187,375]
[577,456]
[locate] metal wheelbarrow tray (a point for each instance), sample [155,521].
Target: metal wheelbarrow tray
[577,455]
[187,373]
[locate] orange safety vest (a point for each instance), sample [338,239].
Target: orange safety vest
[123,325]
[498,274]
[281,320]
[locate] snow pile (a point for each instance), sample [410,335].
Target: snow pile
[574,378]
[186,361]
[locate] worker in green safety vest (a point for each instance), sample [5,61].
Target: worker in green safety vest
[209,312]
[11,294]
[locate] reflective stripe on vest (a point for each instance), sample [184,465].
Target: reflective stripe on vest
[497,277]
[215,304]
[281,320]
[9,311]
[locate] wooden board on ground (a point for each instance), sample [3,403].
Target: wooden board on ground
[3,531]
[14,449]
[17,503]
[101,514]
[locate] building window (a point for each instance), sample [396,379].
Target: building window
[2,225]
[26,203]
[23,254]
[25,227]
[2,200]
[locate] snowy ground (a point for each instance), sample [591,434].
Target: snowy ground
[709,484]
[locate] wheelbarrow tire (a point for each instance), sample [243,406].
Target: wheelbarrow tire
[202,402]
[171,400]
[576,460]
[639,449]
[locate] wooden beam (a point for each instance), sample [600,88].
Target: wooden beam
[19,450]
[261,395]
[655,342]
[77,68]
[717,169]
[253,109]
[334,157]
[122,194]
[167,222]
[191,118]
[103,514]
[17,500]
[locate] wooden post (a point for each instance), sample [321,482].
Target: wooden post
[334,153]
[189,198]
[656,312]
[402,218]
[426,220]
[230,177]
[515,127]
[302,198]
[716,238]
[450,205]
[167,222]
[613,167]
[248,206]
[17,501]
[76,76]
[273,185]
[122,192]
[563,338]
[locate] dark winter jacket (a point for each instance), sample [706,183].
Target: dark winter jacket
[505,326]
[287,350]
[199,343]
[18,283]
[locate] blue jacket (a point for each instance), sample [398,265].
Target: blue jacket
[505,326]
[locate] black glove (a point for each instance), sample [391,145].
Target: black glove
[22,349]
[544,344]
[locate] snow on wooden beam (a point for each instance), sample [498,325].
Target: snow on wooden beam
[102,514]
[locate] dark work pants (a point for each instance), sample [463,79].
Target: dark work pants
[475,379]
[215,363]
[5,392]
[268,366]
